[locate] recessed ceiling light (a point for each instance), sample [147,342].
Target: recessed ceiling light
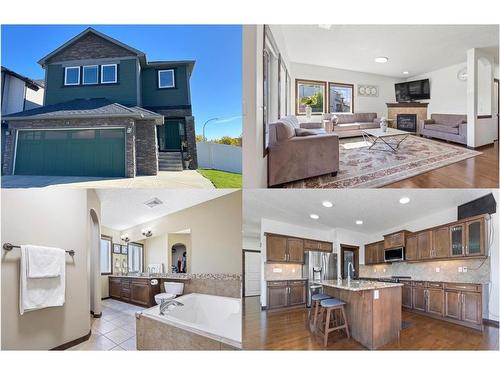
[359,222]
[327,204]
[314,216]
[406,72]
[381,59]
[404,200]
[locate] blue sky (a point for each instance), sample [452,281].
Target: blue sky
[216,79]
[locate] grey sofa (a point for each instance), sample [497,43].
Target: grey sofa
[445,126]
[298,151]
[350,124]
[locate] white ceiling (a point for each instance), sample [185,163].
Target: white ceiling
[124,208]
[414,48]
[379,209]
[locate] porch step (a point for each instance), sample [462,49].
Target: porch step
[170,161]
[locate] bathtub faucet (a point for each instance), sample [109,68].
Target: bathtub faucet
[166,303]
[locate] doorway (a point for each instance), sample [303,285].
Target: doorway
[179,258]
[179,252]
[251,273]
[497,105]
[94,260]
[170,134]
[349,254]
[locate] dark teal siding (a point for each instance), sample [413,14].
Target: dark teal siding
[152,96]
[123,92]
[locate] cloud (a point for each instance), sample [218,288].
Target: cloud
[226,119]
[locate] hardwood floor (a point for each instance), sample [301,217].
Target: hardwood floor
[288,330]
[477,172]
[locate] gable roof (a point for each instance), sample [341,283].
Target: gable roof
[91,30]
[31,83]
[86,108]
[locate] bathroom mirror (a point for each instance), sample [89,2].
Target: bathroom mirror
[179,251]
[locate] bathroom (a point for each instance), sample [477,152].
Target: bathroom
[152,269]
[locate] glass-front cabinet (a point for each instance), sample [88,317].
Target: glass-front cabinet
[475,237]
[457,233]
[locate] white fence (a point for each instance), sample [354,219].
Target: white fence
[217,156]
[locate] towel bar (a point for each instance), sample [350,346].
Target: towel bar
[8,247]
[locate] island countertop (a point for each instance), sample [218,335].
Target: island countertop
[358,285]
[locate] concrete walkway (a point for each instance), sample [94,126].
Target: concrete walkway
[170,180]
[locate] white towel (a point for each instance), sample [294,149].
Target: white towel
[39,293]
[44,261]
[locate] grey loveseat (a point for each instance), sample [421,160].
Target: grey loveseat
[350,124]
[445,126]
[298,151]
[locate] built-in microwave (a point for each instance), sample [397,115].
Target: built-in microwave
[396,254]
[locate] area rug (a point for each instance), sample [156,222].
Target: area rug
[363,168]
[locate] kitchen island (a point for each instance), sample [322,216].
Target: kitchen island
[373,309]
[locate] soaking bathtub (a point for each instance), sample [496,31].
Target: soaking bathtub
[204,322]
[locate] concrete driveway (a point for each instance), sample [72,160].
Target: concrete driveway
[170,180]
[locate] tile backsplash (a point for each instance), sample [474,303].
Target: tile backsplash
[282,271]
[478,270]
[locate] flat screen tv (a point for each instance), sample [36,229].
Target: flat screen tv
[413,90]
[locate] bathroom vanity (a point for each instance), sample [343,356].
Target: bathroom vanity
[134,289]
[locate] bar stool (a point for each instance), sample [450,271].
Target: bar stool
[335,313]
[313,314]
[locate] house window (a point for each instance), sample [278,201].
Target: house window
[72,76]
[109,73]
[135,257]
[341,98]
[314,90]
[166,79]
[105,255]
[90,75]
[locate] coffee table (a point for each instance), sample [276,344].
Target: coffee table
[391,138]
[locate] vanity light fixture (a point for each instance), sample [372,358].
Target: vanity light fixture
[381,59]
[404,200]
[125,237]
[146,232]
[327,204]
[314,216]
[359,222]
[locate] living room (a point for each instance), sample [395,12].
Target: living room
[317,118]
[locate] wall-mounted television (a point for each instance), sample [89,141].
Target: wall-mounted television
[413,90]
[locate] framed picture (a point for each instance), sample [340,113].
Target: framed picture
[117,248]
[124,249]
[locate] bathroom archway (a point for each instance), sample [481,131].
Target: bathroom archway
[179,258]
[94,264]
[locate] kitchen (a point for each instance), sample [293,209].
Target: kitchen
[423,278]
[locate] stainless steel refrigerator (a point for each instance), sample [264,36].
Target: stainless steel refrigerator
[318,266]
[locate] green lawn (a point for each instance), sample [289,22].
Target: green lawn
[221,179]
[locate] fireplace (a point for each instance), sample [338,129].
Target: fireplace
[407,122]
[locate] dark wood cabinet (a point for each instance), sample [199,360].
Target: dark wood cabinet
[276,248]
[134,290]
[407,298]
[397,239]
[282,294]
[374,253]
[295,250]
[435,300]
[419,298]
[471,307]
[441,242]
[452,304]
[411,248]
[424,245]
[287,249]
[474,237]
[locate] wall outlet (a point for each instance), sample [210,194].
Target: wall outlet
[438,269]
[464,269]
[459,269]
[277,270]
[375,294]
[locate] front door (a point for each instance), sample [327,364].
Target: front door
[169,135]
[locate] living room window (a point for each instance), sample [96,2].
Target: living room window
[310,89]
[72,76]
[109,73]
[91,75]
[340,97]
[166,79]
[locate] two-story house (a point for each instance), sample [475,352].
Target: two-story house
[108,112]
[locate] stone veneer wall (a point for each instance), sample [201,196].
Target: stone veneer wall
[478,270]
[40,124]
[215,284]
[146,148]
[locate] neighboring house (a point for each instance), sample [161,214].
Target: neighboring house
[19,93]
[108,112]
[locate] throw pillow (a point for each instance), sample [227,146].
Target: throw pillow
[299,132]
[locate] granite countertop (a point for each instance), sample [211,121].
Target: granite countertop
[161,276]
[296,279]
[433,281]
[358,285]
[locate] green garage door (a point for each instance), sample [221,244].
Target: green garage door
[88,152]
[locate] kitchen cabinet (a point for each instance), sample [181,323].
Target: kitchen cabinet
[435,299]
[276,248]
[374,253]
[287,249]
[295,250]
[452,304]
[134,290]
[419,298]
[407,298]
[464,303]
[457,238]
[380,252]
[411,248]
[474,240]
[282,294]
[441,242]
[312,245]
[397,239]
[471,307]
[424,244]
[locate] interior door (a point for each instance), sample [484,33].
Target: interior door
[349,254]
[497,104]
[252,273]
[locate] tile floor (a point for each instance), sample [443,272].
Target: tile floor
[115,330]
